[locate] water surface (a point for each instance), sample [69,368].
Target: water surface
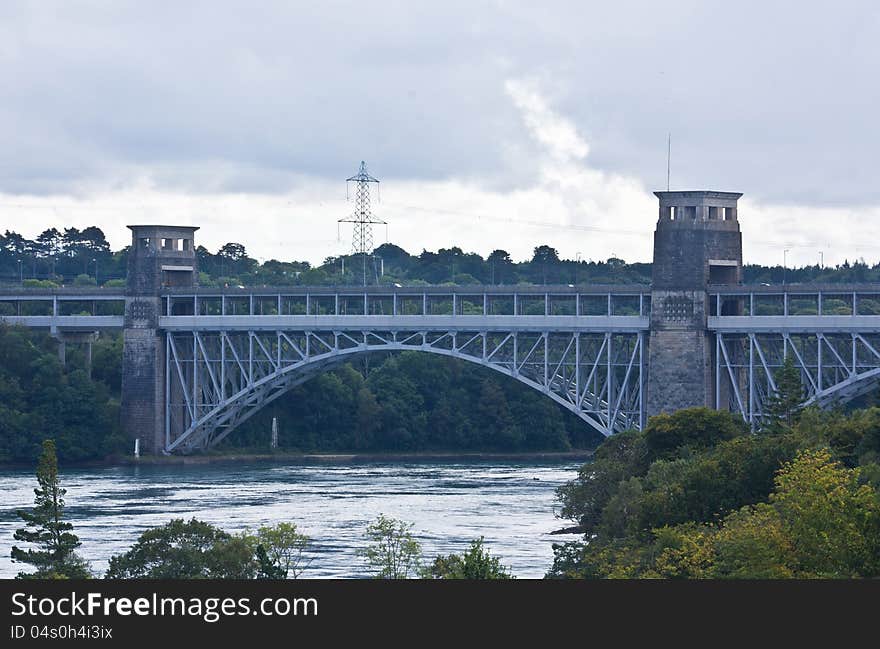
[510,504]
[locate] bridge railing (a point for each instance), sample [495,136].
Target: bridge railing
[61,302]
[607,301]
[796,300]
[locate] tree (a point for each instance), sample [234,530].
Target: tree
[186,550]
[267,568]
[393,552]
[753,544]
[55,557]
[283,546]
[500,267]
[666,435]
[474,563]
[545,255]
[784,405]
[831,519]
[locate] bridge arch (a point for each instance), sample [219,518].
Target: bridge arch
[217,380]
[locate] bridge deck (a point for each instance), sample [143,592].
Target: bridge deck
[597,307]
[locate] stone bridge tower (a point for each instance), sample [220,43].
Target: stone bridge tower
[697,243]
[160,256]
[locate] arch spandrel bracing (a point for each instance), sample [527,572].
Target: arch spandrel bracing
[218,379]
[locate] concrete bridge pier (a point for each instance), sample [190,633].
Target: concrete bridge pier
[161,256]
[85,338]
[697,243]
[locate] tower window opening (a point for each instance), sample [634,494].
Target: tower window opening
[691,212]
[713,213]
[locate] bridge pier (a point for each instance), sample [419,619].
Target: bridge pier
[160,256]
[85,338]
[697,242]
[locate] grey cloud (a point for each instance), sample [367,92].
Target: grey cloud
[775,99]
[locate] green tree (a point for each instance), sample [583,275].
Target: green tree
[784,405]
[692,429]
[55,556]
[832,520]
[393,552]
[267,568]
[186,550]
[284,546]
[474,563]
[754,544]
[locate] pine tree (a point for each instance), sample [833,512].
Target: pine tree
[784,406]
[55,556]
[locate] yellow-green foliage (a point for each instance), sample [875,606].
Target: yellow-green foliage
[820,521]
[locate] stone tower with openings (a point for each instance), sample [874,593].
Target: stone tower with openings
[697,243]
[160,257]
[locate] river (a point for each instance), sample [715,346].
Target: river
[511,504]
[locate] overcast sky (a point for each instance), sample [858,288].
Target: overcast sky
[491,124]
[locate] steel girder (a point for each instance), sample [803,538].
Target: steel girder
[835,367]
[216,380]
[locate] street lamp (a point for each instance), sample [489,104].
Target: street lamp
[96,272]
[784,264]
[20,274]
[577,267]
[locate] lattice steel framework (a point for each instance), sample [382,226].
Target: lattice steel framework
[362,218]
[216,380]
[835,367]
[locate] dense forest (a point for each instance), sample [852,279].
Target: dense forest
[40,398]
[84,257]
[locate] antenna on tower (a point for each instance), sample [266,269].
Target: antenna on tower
[668,157]
[362,218]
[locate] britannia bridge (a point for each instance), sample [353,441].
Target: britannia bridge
[199,361]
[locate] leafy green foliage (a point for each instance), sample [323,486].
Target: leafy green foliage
[393,552]
[55,556]
[280,550]
[266,567]
[800,500]
[38,394]
[474,563]
[691,429]
[784,405]
[186,550]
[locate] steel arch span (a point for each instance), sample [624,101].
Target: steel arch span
[216,380]
[835,367]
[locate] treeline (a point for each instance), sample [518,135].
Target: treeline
[697,495]
[84,257]
[68,256]
[406,402]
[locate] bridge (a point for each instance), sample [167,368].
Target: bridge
[200,361]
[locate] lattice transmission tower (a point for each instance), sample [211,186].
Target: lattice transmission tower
[362,218]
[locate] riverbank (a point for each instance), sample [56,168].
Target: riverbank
[353,458]
[319,458]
